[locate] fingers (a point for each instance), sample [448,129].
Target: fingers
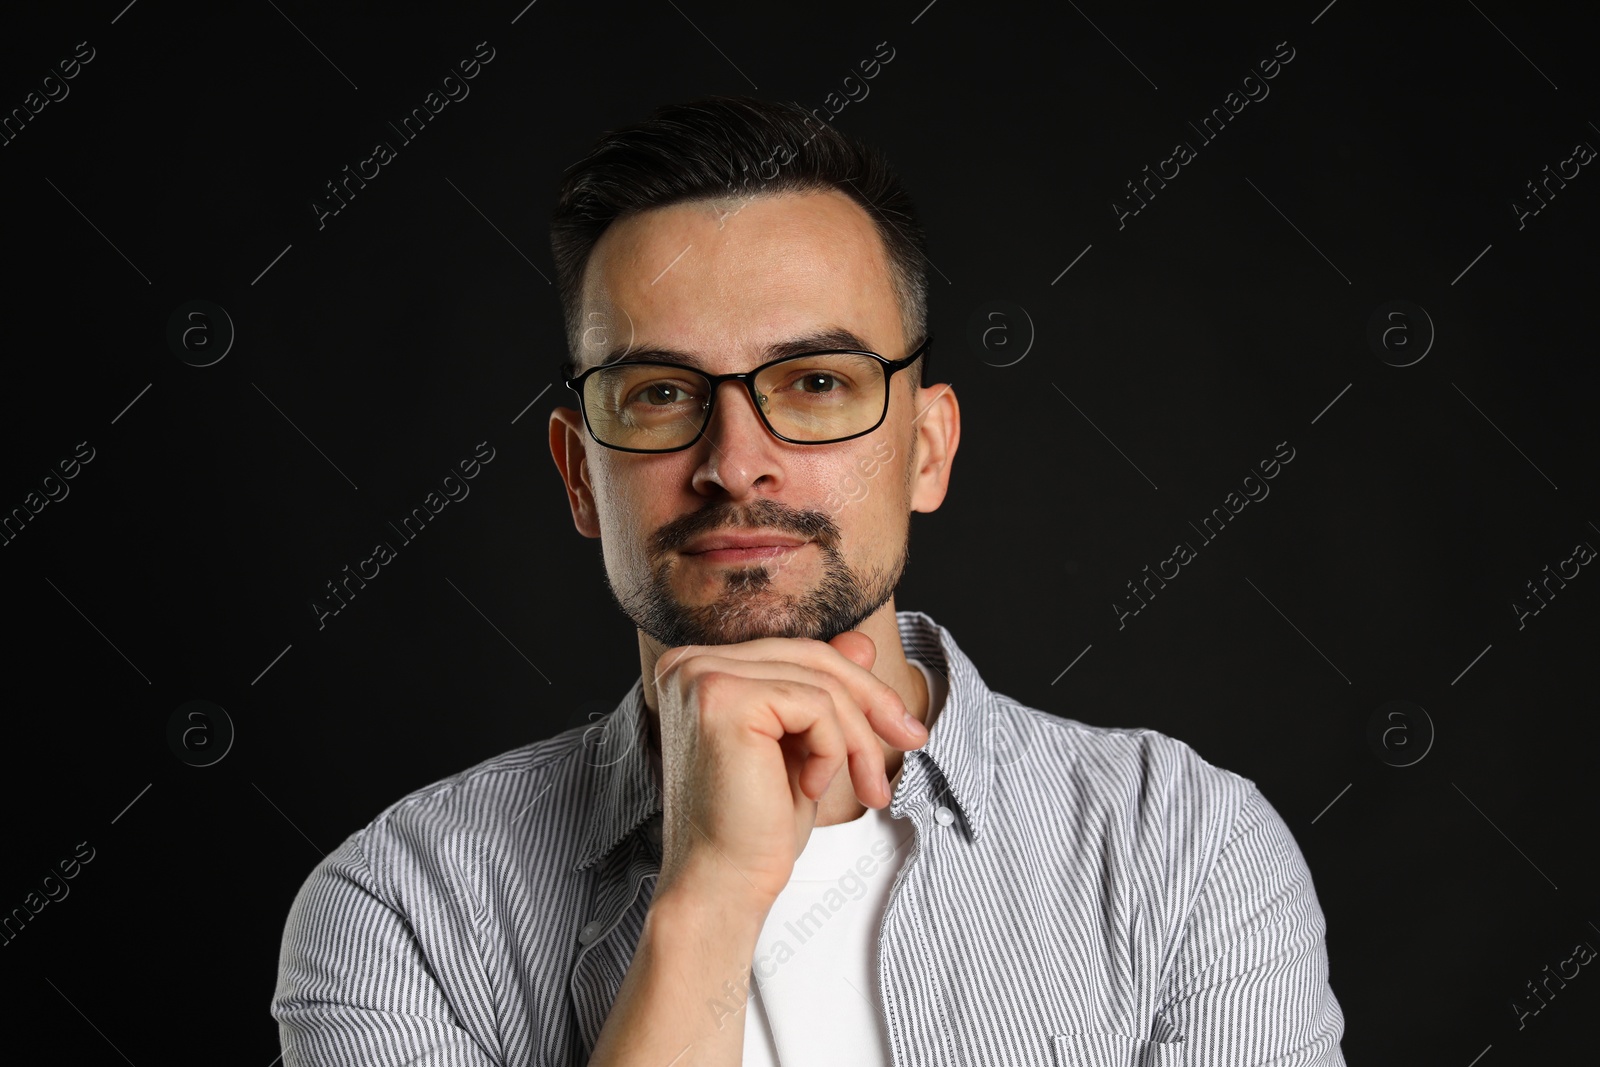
[877,699]
[833,728]
[782,699]
[670,659]
[855,646]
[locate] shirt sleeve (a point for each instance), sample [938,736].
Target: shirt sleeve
[354,988]
[1250,978]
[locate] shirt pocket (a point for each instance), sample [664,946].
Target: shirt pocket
[1113,1050]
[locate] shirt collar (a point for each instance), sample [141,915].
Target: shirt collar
[960,749]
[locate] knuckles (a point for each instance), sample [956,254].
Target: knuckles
[708,684]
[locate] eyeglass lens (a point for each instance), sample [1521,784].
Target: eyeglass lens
[812,398]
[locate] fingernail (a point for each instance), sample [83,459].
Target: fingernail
[914,724]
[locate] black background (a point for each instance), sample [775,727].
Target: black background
[378,350]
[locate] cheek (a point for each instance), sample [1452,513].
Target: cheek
[632,505]
[610,512]
[617,492]
[866,492]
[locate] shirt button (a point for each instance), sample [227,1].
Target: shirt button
[589,932]
[652,831]
[943,815]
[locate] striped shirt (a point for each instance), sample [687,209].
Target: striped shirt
[1072,895]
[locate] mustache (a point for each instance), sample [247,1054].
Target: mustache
[762,515]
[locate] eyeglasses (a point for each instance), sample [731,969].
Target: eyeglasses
[639,406]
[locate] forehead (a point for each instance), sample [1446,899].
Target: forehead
[729,278]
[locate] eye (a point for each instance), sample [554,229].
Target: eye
[814,376]
[660,394]
[819,382]
[661,391]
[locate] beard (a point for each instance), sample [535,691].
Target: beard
[748,606]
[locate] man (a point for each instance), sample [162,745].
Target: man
[810,833]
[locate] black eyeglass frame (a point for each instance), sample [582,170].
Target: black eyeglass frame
[748,380]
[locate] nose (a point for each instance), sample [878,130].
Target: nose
[734,413]
[741,454]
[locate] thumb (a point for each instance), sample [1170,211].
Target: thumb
[856,647]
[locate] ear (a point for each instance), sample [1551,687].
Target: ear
[938,434]
[569,443]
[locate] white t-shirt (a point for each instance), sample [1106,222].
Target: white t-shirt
[814,999]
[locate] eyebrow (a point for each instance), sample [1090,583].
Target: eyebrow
[829,338]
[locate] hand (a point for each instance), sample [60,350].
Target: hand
[752,735]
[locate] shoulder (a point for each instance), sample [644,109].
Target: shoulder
[1124,776]
[480,813]
[477,794]
[1151,818]
[1115,754]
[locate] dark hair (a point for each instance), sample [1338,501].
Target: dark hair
[721,146]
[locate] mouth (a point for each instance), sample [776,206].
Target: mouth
[739,547]
[735,555]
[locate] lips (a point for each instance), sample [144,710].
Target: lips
[747,540]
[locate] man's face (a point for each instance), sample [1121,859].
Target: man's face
[702,280]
